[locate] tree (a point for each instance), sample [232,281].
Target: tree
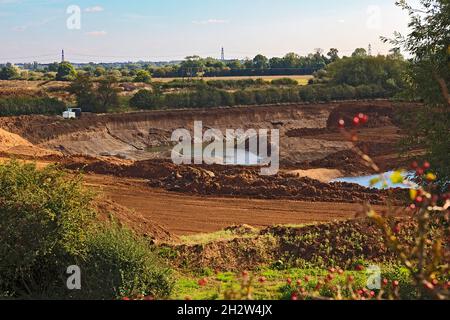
[291,60]
[107,94]
[260,62]
[66,72]
[143,76]
[9,72]
[359,52]
[83,89]
[333,54]
[428,42]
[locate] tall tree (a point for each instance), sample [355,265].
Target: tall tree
[428,42]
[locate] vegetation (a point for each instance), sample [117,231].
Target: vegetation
[47,224]
[95,98]
[66,72]
[429,80]
[211,97]
[16,106]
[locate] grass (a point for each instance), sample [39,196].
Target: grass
[275,287]
[205,238]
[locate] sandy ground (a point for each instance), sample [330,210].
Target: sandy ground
[184,214]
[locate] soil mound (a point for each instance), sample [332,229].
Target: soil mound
[9,140]
[216,180]
[111,211]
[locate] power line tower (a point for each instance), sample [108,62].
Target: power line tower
[62,56]
[369,52]
[223,54]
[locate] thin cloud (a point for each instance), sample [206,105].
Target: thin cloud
[94,9]
[97,33]
[211,21]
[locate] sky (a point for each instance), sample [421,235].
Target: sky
[162,30]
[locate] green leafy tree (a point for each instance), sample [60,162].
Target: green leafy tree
[107,94]
[9,72]
[143,76]
[333,54]
[260,62]
[359,52]
[66,72]
[428,42]
[83,89]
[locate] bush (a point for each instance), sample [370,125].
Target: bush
[119,264]
[43,222]
[16,106]
[47,224]
[285,82]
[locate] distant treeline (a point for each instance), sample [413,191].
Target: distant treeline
[207,98]
[15,106]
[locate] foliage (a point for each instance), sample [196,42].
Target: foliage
[66,72]
[43,222]
[143,76]
[15,106]
[92,98]
[119,264]
[47,224]
[9,72]
[429,80]
[364,70]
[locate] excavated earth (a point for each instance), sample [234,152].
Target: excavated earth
[127,157]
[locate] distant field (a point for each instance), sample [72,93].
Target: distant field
[303,80]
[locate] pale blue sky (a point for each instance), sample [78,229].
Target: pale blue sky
[117,30]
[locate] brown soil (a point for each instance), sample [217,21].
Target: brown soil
[231,181]
[330,245]
[182,214]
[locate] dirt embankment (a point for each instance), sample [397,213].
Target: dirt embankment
[307,132]
[232,181]
[331,244]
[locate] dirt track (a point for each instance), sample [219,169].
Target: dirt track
[183,214]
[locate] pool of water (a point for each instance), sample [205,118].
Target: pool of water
[241,157]
[365,181]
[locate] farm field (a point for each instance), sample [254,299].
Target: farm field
[302,79]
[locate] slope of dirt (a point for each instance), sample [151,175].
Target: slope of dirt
[138,135]
[142,225]
[182,214]
[10,140]
[333,244]
[232,181]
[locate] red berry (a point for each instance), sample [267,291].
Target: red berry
[341,123]
[289,281]
[299,282]
[125,298]
[203,282]
[414,165]
[351,278]
[359,267]
[426,165]
[420,172]
[262,279]
[419,199]
[356,121]
[340,271]
[294,297]
[307,279]
[372,293]
[395,283]
[332,270]
[385,282]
